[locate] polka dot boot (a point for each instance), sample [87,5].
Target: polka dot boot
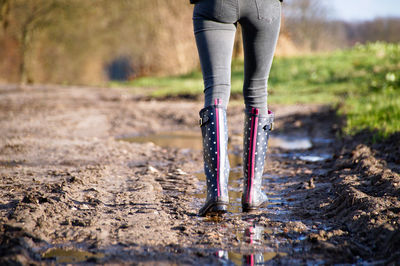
[255,143]
[214,130]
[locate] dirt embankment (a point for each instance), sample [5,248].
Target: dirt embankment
[68,181]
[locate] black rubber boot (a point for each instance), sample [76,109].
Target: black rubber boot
[256,134]
[214,130]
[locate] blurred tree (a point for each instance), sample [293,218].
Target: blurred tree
[379,29]
[28,18]
[4,11]
[164,42]
[307,24]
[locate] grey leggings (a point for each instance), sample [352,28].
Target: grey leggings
[214,24]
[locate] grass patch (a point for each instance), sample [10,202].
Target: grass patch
[364,82]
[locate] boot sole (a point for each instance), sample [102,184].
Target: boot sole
[214,208]
[250,208]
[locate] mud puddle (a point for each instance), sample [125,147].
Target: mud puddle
[192,141]
[61,255]
[175,139]
[234,258]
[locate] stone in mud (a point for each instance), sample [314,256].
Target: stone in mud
[80,222]
[152,170]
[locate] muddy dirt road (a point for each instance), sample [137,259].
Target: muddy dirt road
[96,175]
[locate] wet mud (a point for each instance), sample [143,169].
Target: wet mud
[92,175]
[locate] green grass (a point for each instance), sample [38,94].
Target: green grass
[190,84]
[363,82]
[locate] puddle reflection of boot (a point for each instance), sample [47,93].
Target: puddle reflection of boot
[253,259]
[253,235]
[255,143]
[222,254]
[214,131]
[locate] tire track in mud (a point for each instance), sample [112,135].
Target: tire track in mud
[368,201]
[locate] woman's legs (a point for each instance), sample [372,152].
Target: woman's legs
[215,26]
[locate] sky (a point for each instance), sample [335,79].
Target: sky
[351,10]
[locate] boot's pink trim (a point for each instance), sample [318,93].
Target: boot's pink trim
[218,142]
[252,151]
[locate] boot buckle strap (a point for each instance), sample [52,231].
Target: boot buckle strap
[203,120]
[269,127]
[271,118]
[204,117]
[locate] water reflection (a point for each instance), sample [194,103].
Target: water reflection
[192,140]
[304,156]
[70,255]
[176,139]
[253,236]
[315,158]
[290,143]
